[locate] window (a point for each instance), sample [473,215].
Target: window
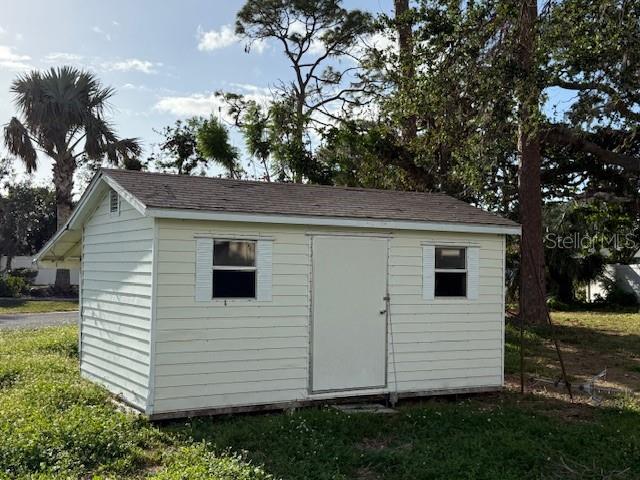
[450,272]
[234,269]
[114,202]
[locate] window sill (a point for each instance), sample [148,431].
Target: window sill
[233,301]
[454,300]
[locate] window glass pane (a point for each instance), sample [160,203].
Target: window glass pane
[234,254]
[451,284]
[234,284]
[450,258]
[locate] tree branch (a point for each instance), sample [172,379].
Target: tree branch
[560,135]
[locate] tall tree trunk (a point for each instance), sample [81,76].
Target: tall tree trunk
[532,284]
[63,170]
[407,63]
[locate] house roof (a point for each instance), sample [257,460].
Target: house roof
[206,194]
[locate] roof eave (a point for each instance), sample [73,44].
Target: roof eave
[187,214]
[83,208]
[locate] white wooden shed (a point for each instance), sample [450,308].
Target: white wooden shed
[203,295]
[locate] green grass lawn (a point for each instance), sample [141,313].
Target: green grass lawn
[9,306]
[55,425]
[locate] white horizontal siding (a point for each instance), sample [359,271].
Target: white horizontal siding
[209,354]
[116,301]
[212,354]
[444,343]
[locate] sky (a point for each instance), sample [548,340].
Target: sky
[164,58]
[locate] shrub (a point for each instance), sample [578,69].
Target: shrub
[554,303]
[12,286]
[616,297]
[28,274]
[621,298]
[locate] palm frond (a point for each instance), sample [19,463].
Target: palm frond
[121,151]
[18,142]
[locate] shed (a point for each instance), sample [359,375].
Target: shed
[202,295]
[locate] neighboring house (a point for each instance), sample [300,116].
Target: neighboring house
[202,295]
[45,276]
[627,277]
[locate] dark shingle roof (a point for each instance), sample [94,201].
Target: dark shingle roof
[157,190]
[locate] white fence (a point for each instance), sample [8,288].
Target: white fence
[46,276]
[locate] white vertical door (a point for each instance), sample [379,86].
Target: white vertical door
[349,323]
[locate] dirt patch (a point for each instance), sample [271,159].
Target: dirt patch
[366,473]
[373,444]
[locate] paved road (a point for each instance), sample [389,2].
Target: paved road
[35,320]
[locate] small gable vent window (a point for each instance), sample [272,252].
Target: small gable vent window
[234,269]
[450,272]
[114,202]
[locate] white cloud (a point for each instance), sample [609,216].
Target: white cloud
[62,57]
[19,37]
[382,41]
[203,104]
[185,106]
[115,23]
[2,30]
[223,38]
[132,64]
[13,61]
[214,40]
[133,86]
[99,31]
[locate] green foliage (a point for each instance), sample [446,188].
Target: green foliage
[616,297]
[191,145]
[178,151]
[12,286]
[581,238]
[212,142]
[349,152]
[198,462]
[27,218]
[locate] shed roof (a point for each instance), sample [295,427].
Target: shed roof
[163,195]
[206,194]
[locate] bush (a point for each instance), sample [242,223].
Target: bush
[28,274]
[12,286]
[620,298]
[554,303]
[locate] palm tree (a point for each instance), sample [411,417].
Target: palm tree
[62,115]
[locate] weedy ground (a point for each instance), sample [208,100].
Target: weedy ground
[55,425]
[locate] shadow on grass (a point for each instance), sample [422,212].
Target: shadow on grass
[12,302]
[586,352]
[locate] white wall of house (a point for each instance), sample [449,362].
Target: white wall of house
[117,254]
[46,276]
[627,277]
[243,352]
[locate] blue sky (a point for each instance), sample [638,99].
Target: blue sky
[165,58]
